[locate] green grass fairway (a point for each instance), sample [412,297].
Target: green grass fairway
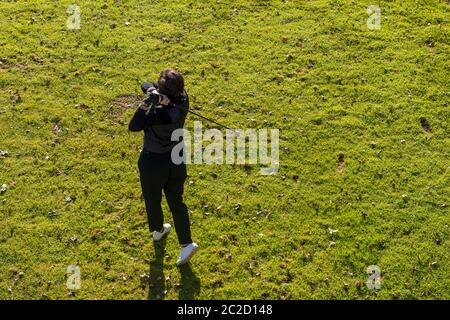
[364,119]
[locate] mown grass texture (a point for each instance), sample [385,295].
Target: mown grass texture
[364,133]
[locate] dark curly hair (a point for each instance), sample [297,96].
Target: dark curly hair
[171,83]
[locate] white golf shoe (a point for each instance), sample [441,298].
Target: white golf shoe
[159,235]
[186,253]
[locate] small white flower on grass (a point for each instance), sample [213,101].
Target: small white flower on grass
[144,277]
[331,231]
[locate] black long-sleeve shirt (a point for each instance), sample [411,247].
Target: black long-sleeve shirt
[158,124]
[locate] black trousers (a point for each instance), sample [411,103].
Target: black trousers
[158,173]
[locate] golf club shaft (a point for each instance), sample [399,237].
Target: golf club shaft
[199,115]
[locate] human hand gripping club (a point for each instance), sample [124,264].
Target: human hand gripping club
[153,96]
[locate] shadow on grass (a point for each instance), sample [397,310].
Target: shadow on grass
[190,283]
[157,284]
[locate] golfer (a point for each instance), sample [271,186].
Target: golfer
[159,118]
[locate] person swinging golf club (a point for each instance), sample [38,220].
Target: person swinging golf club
[164,110]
